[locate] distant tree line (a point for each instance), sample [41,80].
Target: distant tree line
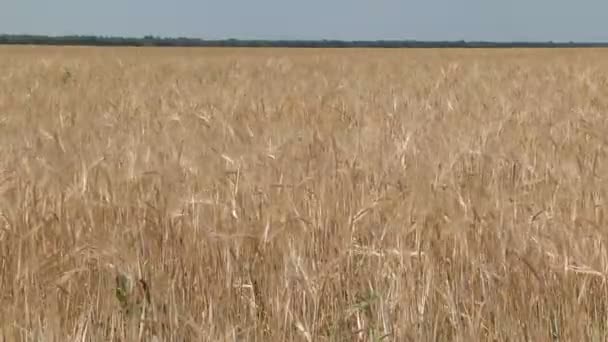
[195,42]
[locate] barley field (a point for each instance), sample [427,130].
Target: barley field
[303,195]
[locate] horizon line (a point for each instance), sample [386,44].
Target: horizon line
[390,40]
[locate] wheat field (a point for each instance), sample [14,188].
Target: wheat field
[303,195]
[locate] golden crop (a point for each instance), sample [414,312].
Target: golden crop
[307,195]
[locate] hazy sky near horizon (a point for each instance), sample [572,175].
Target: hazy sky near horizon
[557,20]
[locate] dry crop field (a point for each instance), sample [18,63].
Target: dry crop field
[303,195]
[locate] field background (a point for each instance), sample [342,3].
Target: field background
[307,195]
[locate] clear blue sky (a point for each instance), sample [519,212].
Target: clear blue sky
[558,20]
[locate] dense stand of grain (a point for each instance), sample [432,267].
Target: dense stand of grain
[308,195]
